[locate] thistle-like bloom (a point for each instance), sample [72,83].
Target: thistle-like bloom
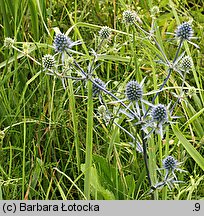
[129,17]
[133,91]
[159,113]
[184,31]
[105,32]
[48,61]
[8,42]
[96,90]
[186,63]
[159,116]
[169,163]
[61,42]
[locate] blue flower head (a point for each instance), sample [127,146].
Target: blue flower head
[159,113]
[169,163]
[133,91]
[184,31]
[61,42]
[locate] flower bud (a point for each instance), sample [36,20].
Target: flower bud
[129,17]
[186,63]
[105,32]
[48,61]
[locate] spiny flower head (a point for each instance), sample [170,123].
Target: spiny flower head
[8,42]
[184,31]
[129,17]
[186,63]
[48,61]
[133,91]
[169,163]
[159,113]
[95,88]
[61,42]
[105,32]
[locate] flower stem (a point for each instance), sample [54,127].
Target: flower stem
[179,97]
[160,89]
[170,69]
[103,89]
[178,50]
[144,142]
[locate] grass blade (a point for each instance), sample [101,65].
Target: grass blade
[89,142]
[190,149]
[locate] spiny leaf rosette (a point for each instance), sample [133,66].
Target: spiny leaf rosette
[133,91]
[169,163]
[184,31]
[96,90]
[159,113]
[62,42]
[48,61]
[105,32]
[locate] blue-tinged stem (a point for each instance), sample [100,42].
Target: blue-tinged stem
[170,69]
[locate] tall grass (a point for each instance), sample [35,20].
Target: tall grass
[55,144]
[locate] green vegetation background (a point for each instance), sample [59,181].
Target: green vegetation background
[42,124]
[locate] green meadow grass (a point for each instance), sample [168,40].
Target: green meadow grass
[53,142]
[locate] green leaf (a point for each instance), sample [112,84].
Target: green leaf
[199,17]
[96,184]
[190,149]
[34,19]
[63,196]
[115,58]
[36,173]
[104,168]
[1,197]
[195,119]
[163,3]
